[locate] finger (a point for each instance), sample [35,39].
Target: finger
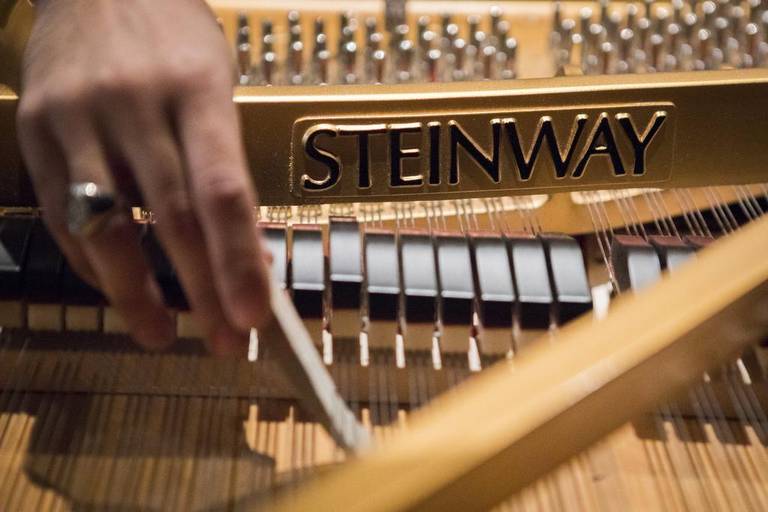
[48,172]
[224,201]
[146,139]
[114,250]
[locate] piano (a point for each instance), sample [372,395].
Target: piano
[525,239]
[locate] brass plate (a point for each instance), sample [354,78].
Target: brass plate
[469,152]
[714,133]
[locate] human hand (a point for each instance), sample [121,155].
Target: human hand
[137,96]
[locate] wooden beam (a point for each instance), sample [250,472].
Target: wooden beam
[513,423]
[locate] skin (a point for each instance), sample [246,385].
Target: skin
[136,96]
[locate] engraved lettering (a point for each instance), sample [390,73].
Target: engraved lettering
[363,160]
[330,160]
[422,153]
[397,154]
[639,142]
[489,164]
[434,153]
[601,143]
[545,130]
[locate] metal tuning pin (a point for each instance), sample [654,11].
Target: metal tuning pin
[320,54]
[295,66]
[346,57]
[244,58]
[395,13]
[626,60]
[556,35]
[268,55]
[458,65]
[510,58]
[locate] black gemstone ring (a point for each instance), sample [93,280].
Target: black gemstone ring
[89,208]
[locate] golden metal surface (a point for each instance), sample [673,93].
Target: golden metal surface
[695,146]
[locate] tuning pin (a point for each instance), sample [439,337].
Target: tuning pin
[644,34]
[672,56]
[606,58]
[495,14]
[426,40]
[268,56]
[244,65]
[689,27]
[596,35]
[320,38]
[585,20]
[473,25]
[394,13]
[379,66]
[603,17]
[432,62]
[657,52]
[752,45]
[346,32]
[612,25]
[677,11]
[566,46]
[322,60]
[458,72]
[762,55]
[348,64]
[632,17]
[502,29]
[294,19]
[295,57]
[399,35]
[404,61]
[451,33]
[662,20]
[344,17]
[556,35]
[737,21]
[371,27]
[267,38]
[708,10]
[489,60]
[648,6]
[704,49]
[726,47]
[510,61]
[625,62]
